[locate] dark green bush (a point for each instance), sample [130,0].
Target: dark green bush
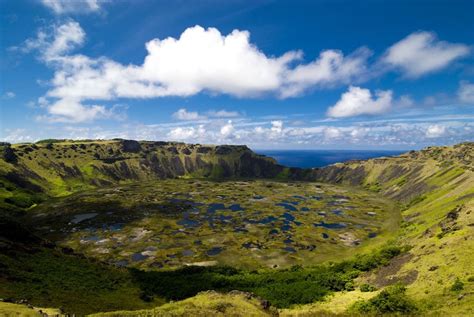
[367,288]
[391,300]
[416,200]
[457,286]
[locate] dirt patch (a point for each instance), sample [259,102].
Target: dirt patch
[449,224]
[386,275]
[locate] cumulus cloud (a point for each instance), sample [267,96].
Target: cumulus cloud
[204,59]
[359,133]
[435,131]
[227,129]
[330,68]
[466,92]
[183,114]
[359,101]
[200,60]
[73,6]
[186,133]
[72,111]
[56,41]
[331,133]
[17,136]
[421,53]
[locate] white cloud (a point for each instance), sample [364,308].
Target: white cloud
[223,114]
[466,92]
[72,111]
[330,68]
[186,133]
[268,134]
[404,101]
[435,131]
[358,101]
[9,95]
[332,133]
[53,43]
[421,53]
[17,136]
[200,60]
[277,126]
[227,129]
[358,133]
[183,114]
[73,6]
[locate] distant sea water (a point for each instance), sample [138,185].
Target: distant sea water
[319,158]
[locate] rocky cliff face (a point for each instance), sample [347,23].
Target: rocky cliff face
[57,168]
[407,176]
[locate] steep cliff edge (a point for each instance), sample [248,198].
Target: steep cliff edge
[30,173]
[408,176]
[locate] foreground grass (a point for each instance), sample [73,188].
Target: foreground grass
[10,309]
[204,305]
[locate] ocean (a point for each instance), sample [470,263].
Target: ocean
[319,158]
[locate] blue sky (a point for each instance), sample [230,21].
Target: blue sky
[270,74]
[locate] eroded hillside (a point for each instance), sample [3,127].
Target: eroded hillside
[29,173]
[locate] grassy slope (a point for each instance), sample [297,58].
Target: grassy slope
[205,304]
[10,309]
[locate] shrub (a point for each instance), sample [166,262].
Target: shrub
[367,288]
[391,300]
[416,200]
[23,200]
[457,286]
[374,187]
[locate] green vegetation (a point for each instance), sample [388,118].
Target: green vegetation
[374,187]
[205,304]
[391,300]
[457,286]
[283,288]
[47,277]
[367,288]
[416,200]
[170,223]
